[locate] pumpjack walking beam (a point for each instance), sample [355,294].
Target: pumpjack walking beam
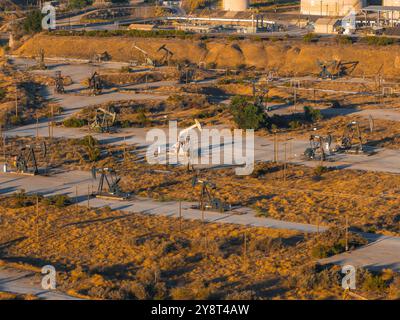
[104,120]
[108,184]
[351,140]
[26,160]
[206,199]
[165,60]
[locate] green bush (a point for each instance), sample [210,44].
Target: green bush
[319,170]
[126,33]
[74,123]
[294,124]
[91,146]
[343,39]
[79,4]
[33,22]
[379,41]
[59,201]
[2,94]
[311,114]
[247,115]
[310,37]
[373,283]
[142,118]
[15,120]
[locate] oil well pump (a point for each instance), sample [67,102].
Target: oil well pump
[186,73]
[183,143]
[207,200]
[104,120]
[336,68]
[108,187]
[59,83]
[101,57]
[26,159]
[351,140]
[146,57]
[166,58]
[95,83]
[320,147]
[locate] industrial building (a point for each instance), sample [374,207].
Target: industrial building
[331,7]
[235,5]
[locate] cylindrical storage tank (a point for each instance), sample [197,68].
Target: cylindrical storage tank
[331,7]
[236,5]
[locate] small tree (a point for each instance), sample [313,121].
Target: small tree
[91,146]
[33,22]
[247,115]
[311,114]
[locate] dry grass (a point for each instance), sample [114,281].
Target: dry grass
[106,254]
[370,199]
[287,57]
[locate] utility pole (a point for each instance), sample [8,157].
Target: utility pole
[37,221]
[347,233]
[37,126]
[16,100]
[284,164]
[52,121]
[245,245]
[294,98]
[180,216]
[275,148]
[88,198]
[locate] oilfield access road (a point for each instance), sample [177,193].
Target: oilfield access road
[73,101]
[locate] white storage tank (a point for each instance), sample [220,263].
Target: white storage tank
[331,7]
[236,5]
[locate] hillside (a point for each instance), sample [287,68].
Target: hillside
[286,57]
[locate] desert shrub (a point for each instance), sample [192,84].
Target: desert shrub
[343,39]
[74,123]
[247,115]
[33,22]
[320,170]
[79,4]
[142,119]
[332,242]
[311,114]
[22,199]
[310,37]
[15,120]
[241,66]
[127,33]
[394,288]
[211,65]
[241,295]
[373,283]
[311,277]
[2,94]
[125,69]
[91,146]
[294,124]
[59,200]
[379,41]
